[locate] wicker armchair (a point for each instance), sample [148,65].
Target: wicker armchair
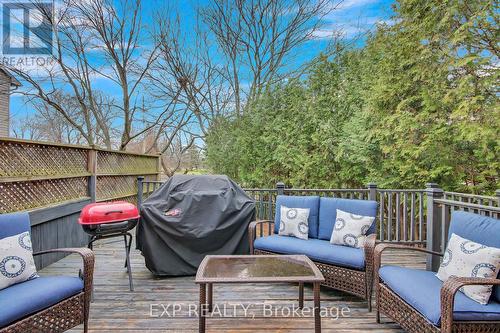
[419,302]
[354,279]
[45,304]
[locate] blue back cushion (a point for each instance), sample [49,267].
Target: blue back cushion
[477,228]
[328,213]
[311,202]
[14,224]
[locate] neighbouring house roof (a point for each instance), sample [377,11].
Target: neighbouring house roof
[13,80]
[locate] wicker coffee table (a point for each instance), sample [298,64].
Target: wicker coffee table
[257,269]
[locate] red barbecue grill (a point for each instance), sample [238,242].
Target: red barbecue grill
[111,219]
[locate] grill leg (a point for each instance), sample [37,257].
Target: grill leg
[90,245]
[129,246]
[127,258]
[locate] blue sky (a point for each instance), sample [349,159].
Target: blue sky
[353,17]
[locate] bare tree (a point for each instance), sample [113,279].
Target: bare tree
[50,125]
[181,156]
[105,40]
[185,71]
[257,37]
[26,128]
[118,26]
[112,32]
[174,83]
[222,62]
[234,50]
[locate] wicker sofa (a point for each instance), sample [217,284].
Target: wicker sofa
[45,304]
[420,302]
[344,268]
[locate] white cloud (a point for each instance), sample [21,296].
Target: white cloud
[323,33]
[338,30]
[354,3]
[350,19]
[350,29]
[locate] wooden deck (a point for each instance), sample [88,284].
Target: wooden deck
[116,309]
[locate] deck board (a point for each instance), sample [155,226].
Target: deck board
[116,309]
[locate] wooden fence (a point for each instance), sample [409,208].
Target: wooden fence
[40,174]
[54,182]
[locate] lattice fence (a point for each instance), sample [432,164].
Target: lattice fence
[20,160]
[113,163]
[40,174]
[116,187]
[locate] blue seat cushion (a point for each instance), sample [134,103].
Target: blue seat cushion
[328,213]
[422,290]
[23,299]
[14,224]
[291,201]
[477,228]
[315,249]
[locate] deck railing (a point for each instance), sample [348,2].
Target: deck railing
[417,216]
[401,218]
[441,204]
[401,215]
[483,200]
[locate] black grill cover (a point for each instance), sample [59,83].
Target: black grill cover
[189,217]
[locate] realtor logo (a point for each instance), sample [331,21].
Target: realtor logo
[27,28]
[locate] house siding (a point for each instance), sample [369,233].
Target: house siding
[5,82]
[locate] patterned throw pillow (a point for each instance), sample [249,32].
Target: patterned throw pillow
[294,222]
[16,260]
[350,229]
[465,258]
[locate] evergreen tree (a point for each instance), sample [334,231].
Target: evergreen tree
[419,102]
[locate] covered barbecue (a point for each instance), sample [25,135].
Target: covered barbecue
[189,217]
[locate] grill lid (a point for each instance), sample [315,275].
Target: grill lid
[108,212]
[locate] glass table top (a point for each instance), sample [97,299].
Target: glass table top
[258,268]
